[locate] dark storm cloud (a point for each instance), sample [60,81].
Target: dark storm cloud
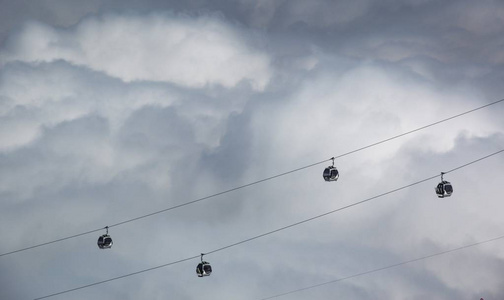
[13,14]
[230,159]
[56,150]
[156,129]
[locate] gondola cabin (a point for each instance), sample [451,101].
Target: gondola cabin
[105,242]
[203,269]
[330,173]
[444,189]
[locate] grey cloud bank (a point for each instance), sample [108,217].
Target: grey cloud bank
[114,109]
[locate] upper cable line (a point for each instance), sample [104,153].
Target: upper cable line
[253,183]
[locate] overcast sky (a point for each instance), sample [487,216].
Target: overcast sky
[113,109]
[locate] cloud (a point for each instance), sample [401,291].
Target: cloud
[125,114]
[189,51]
[97,127]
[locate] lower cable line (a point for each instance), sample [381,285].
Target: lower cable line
[119,277]
[290,226]
[385,268]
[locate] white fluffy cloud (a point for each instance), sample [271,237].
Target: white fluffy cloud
[189,51]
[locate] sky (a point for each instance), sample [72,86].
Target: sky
[111,110]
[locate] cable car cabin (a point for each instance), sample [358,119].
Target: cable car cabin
[204,269]
[444,189]
[331,174]
[105,242]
